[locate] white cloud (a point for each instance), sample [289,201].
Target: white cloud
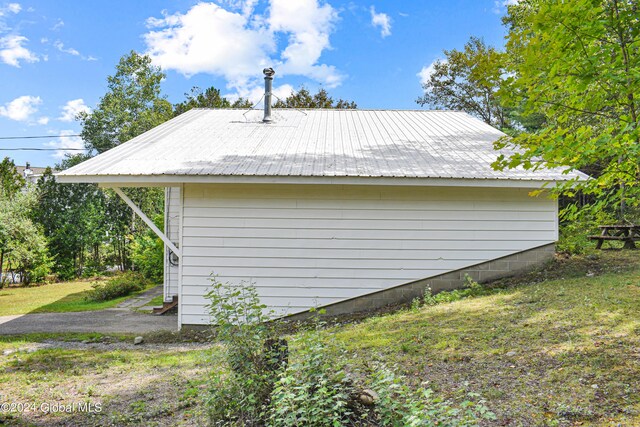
[72,108]
[236,42]
[10,8]
[12,50]
[255,93]
[73,143]
[425,73]
[60,46]
[58,25]
[43,120]
[21,109]
[381,20]
[245,6]
[309,25]
[209,39]
[69,50]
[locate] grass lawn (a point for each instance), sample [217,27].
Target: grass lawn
[53,298]
[560,347]
[139,385]
[157,301]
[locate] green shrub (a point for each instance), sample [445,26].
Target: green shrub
[576,225]
[118,286]
[242,323]
[314,389]
[313,386]
[398,405]
[147,253]
[574,237]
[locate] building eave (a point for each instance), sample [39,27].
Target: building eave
[176,180]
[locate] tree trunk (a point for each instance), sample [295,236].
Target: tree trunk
[1,269]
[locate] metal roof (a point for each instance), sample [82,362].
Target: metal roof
[309,143]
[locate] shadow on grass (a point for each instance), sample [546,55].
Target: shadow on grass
[132,387]
[564,350]
[78,302]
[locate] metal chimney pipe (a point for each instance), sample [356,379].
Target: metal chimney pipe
[268,84]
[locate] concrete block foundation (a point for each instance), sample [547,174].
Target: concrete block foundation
[484,272]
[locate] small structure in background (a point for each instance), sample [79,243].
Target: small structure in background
[30,173]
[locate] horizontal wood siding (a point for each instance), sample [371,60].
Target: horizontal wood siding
[306,246]
[172,230]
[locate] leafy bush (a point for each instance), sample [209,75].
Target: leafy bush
[314,389]
[242,324]
[147,254]
[118,286]
[400,406]
[577,224]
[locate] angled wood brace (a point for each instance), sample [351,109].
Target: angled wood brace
[147,221]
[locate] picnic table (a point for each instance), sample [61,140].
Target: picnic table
[628,234]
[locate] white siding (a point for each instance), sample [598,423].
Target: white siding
[306,246]
[172,230]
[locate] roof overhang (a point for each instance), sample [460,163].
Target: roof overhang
[176,180]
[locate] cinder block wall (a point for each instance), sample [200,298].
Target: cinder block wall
[484,272]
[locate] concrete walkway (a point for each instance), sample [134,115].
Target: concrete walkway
[142,299]
[113,320]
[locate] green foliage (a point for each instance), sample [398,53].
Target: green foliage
[73,220]
[89,228]
[576,227]
[401,406]
[119,286]
[210,98]
[23,246]
[241,322]
[578,64]
[314,389]
[303,99]
[468,80]
[471,289]
[147,253]
[11,182]
[132,105]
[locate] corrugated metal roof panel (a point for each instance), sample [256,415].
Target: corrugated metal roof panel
[313,143]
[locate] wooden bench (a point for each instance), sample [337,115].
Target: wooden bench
[629,234]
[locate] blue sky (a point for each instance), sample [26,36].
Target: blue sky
[55,55]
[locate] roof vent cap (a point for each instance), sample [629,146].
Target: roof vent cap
[268,84]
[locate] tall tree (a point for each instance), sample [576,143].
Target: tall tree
[321,99]
[73,220]
[11,182]
[578,63]
[132,105]
[469,80]
[23,247]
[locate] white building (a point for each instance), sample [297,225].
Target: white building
[348,209]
